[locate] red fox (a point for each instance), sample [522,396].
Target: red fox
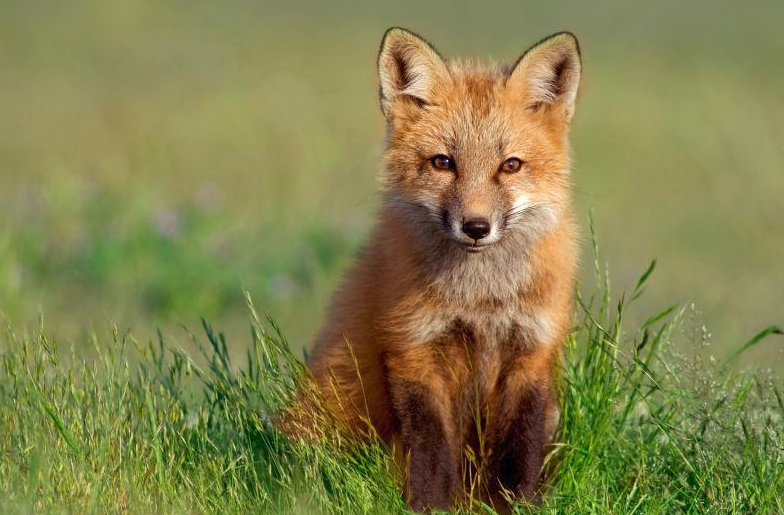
[445,334]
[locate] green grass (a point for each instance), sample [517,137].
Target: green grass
[153,429]
[87,255]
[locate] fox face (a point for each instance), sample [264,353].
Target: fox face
[477,154]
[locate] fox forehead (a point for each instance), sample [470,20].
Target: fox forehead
[472,116]
[480,87]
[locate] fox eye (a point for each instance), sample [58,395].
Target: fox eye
[511,165]
[442,162]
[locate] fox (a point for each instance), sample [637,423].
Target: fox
[445,335]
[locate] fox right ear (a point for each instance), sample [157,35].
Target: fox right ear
[408,67]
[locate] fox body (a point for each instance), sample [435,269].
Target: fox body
[445,333]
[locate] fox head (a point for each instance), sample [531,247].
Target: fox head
[477,154]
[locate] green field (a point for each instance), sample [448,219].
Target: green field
[158,159]
[153,429]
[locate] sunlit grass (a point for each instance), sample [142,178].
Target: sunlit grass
[151,428]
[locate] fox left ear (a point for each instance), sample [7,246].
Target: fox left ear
[548,75]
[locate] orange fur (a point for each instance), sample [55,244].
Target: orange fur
[432,327]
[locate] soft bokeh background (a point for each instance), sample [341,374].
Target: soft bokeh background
[158,157]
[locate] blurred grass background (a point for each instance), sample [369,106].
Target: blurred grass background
[158,157]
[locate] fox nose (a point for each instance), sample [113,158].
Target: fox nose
[476,228]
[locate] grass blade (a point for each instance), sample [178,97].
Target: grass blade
[768,331]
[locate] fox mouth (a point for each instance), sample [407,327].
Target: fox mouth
[475,247]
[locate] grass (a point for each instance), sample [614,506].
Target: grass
[96,255]
[155,429]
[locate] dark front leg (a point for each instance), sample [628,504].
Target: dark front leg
[432,456]
[519,442]
[424,396]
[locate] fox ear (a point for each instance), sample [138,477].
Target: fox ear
[548,74]
[408,66]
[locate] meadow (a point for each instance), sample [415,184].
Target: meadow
[158,160]
[150,428]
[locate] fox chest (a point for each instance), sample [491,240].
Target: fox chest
[474,346]
[509,327]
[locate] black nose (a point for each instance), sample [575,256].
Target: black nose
[476,228]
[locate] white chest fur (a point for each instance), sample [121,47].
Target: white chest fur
[491,328]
